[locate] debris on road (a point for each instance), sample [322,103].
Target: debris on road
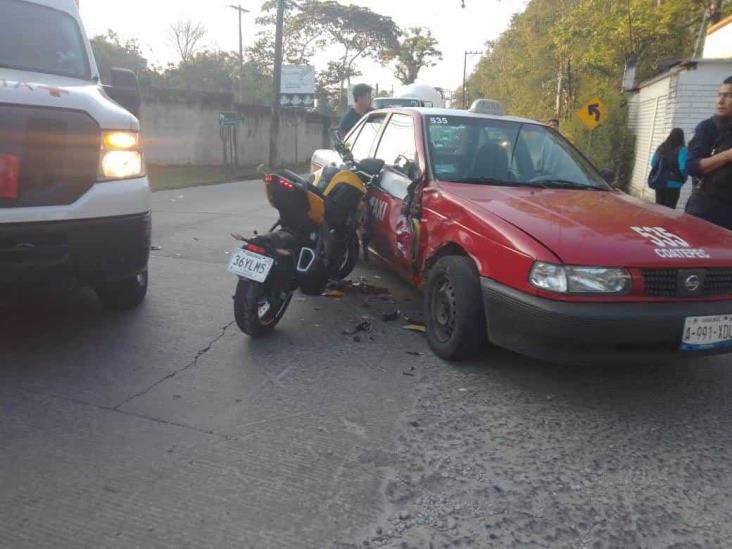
[414,353]
[416,328]
[156,248]
[391,316]
[364,326]
[337,294]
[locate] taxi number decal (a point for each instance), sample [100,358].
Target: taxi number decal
[670,246]
[440,120]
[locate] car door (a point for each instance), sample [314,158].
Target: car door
[390,236]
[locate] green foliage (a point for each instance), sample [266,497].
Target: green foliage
[557,54]
[110,51]
[205,71]
[417,49]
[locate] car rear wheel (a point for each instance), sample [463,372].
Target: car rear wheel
[453,309]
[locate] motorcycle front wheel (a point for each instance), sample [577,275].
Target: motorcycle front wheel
[348,258]
[259,307]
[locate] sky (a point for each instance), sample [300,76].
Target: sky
[457,29]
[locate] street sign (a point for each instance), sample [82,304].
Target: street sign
[298,86]
[592,113]
[228,119]
[298,80]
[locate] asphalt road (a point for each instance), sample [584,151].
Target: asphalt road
[167,427]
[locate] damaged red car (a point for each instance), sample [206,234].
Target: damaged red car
[517,240]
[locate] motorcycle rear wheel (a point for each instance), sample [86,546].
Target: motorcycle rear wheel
[258,308]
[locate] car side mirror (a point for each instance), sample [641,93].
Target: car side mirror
[413,172]
[125,90]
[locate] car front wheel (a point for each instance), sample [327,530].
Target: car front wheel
[453,309]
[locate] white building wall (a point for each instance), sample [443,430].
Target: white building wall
[648,125]
[681,99]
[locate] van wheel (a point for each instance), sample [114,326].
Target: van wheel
[453,309]
[123,294]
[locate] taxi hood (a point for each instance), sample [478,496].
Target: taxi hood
[603,228]
[45,90]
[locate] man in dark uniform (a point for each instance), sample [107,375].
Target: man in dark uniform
[362,104]
[710,158]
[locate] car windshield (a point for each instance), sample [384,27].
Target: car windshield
[506,152]
[40,39]
[384,102]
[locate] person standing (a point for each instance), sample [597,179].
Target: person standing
[668,168]
[362,104]
[710,158]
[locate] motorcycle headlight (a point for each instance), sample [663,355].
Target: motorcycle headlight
[579,280]
[121,156]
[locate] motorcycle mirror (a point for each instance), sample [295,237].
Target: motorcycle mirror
[371,166]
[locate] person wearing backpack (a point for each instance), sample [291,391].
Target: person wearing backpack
[668,169]
[710,159]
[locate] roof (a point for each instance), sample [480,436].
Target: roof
[681,66]
[433,111]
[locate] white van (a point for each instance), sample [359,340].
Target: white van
[74,195]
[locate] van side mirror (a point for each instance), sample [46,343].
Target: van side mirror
[125,90]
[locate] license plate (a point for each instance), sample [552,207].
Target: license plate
[250,265]
[702,333]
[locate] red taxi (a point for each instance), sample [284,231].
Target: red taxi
[515,237]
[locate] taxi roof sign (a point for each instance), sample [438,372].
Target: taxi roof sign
[592,113]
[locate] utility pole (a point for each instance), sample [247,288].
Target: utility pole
[274,132]
[241,11]
[465,76]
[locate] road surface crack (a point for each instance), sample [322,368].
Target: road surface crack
[191,364]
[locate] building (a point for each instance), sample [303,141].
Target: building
[679,98]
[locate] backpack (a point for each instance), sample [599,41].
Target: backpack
[659,174]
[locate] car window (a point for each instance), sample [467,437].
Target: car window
[363,141]
[398,139]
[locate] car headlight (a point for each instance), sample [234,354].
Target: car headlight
[579,280]
[121,155]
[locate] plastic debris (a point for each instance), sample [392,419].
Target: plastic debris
[337,294]
[416,328]
[391,316]
[364,326]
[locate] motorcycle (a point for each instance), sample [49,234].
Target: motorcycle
[315,240]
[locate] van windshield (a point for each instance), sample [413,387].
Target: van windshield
[41,39]
[504,152]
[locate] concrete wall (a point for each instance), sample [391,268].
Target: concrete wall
[184,129]
[679,99]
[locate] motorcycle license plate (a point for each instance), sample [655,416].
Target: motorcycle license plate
[250,265]
[702,333]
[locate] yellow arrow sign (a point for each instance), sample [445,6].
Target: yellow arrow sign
[592,113]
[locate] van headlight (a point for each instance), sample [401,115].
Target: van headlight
[579,280]
[121,155]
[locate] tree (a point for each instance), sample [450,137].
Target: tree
[110,51]
[186,37]
[417,50]
[559,53]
